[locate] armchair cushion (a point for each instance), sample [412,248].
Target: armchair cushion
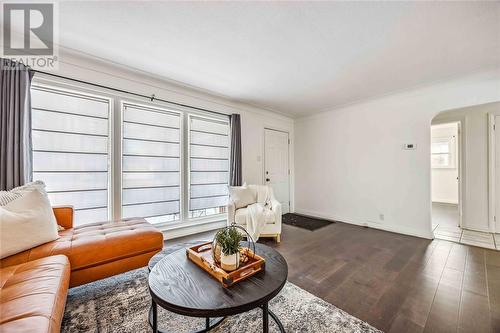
[240,217]
[242,196]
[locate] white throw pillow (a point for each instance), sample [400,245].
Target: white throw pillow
[25,223]
[242,196]
[17,192]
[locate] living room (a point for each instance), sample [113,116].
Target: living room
[249,166]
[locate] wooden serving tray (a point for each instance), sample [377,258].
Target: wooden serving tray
[201,255]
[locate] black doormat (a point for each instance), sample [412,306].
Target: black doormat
[305,222]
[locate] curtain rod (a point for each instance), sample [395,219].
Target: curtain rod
[151,98]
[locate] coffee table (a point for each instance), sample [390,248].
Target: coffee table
[180,286]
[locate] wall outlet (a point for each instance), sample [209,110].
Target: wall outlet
[381,217]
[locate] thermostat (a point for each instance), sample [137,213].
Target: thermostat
[409,146]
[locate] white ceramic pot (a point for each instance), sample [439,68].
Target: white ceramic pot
[230,262]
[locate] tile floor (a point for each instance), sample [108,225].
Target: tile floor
[445,224]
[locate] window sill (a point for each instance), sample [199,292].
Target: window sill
[192,226]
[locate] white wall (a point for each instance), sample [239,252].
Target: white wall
[350,164]
[444,180]
[253,120]
[475,120]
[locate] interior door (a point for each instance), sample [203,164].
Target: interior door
[276,169]
[497,171]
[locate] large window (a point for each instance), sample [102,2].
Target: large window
[151,163]
[163,163]
[209,166]
[71,150]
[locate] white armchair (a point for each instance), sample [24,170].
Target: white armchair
[273,223]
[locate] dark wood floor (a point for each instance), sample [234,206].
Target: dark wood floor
[396,283]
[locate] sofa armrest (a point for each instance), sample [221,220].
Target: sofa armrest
[231,211]
[276,208]
[64,216]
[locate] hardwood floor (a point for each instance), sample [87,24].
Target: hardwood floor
[394,282]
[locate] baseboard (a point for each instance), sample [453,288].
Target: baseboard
[477,229]
[386,227]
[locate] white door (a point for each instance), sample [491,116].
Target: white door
[497,172]
[276,169]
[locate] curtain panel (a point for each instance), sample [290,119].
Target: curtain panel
[15,124]
[235,173]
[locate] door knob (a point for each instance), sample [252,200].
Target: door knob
[268,180]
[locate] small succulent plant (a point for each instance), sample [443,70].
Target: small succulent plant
[229,240]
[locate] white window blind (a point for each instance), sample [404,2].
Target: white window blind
[151,163]
[71,150]
[209,166]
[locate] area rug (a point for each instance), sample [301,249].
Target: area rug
[121,304]
[305,222]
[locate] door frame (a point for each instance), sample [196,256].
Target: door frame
[494,225]
[461,152]
[267,128]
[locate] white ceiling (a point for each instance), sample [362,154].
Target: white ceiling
[293,57]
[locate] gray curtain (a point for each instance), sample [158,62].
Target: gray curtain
[235,175]
[15,124]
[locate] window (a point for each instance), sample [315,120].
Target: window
[173,162]
[443,152]
[70,134]
[151,163]
[208,166]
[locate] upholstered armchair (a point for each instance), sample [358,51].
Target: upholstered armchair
[237,209]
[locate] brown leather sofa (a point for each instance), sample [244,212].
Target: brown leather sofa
[34,283]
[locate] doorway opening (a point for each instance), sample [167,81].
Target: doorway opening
[446,180]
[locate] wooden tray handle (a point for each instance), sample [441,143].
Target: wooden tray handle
[246,272]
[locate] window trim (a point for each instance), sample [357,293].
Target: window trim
[151,107]
[93,96]
[188,157]
[116,100]
[452,152]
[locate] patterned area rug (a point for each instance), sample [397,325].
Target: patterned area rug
[121,304]
[305,222]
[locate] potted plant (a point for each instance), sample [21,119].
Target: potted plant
[229,241]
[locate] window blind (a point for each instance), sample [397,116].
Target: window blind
[70,134]
[208,166]
[150,163]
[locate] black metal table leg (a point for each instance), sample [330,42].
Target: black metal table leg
[265,318]
[210,323]
[277,321]
[155,317]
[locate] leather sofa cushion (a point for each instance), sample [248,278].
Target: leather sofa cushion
[33,295]
[97,243]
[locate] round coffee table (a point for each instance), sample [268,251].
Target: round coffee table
[180,286]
